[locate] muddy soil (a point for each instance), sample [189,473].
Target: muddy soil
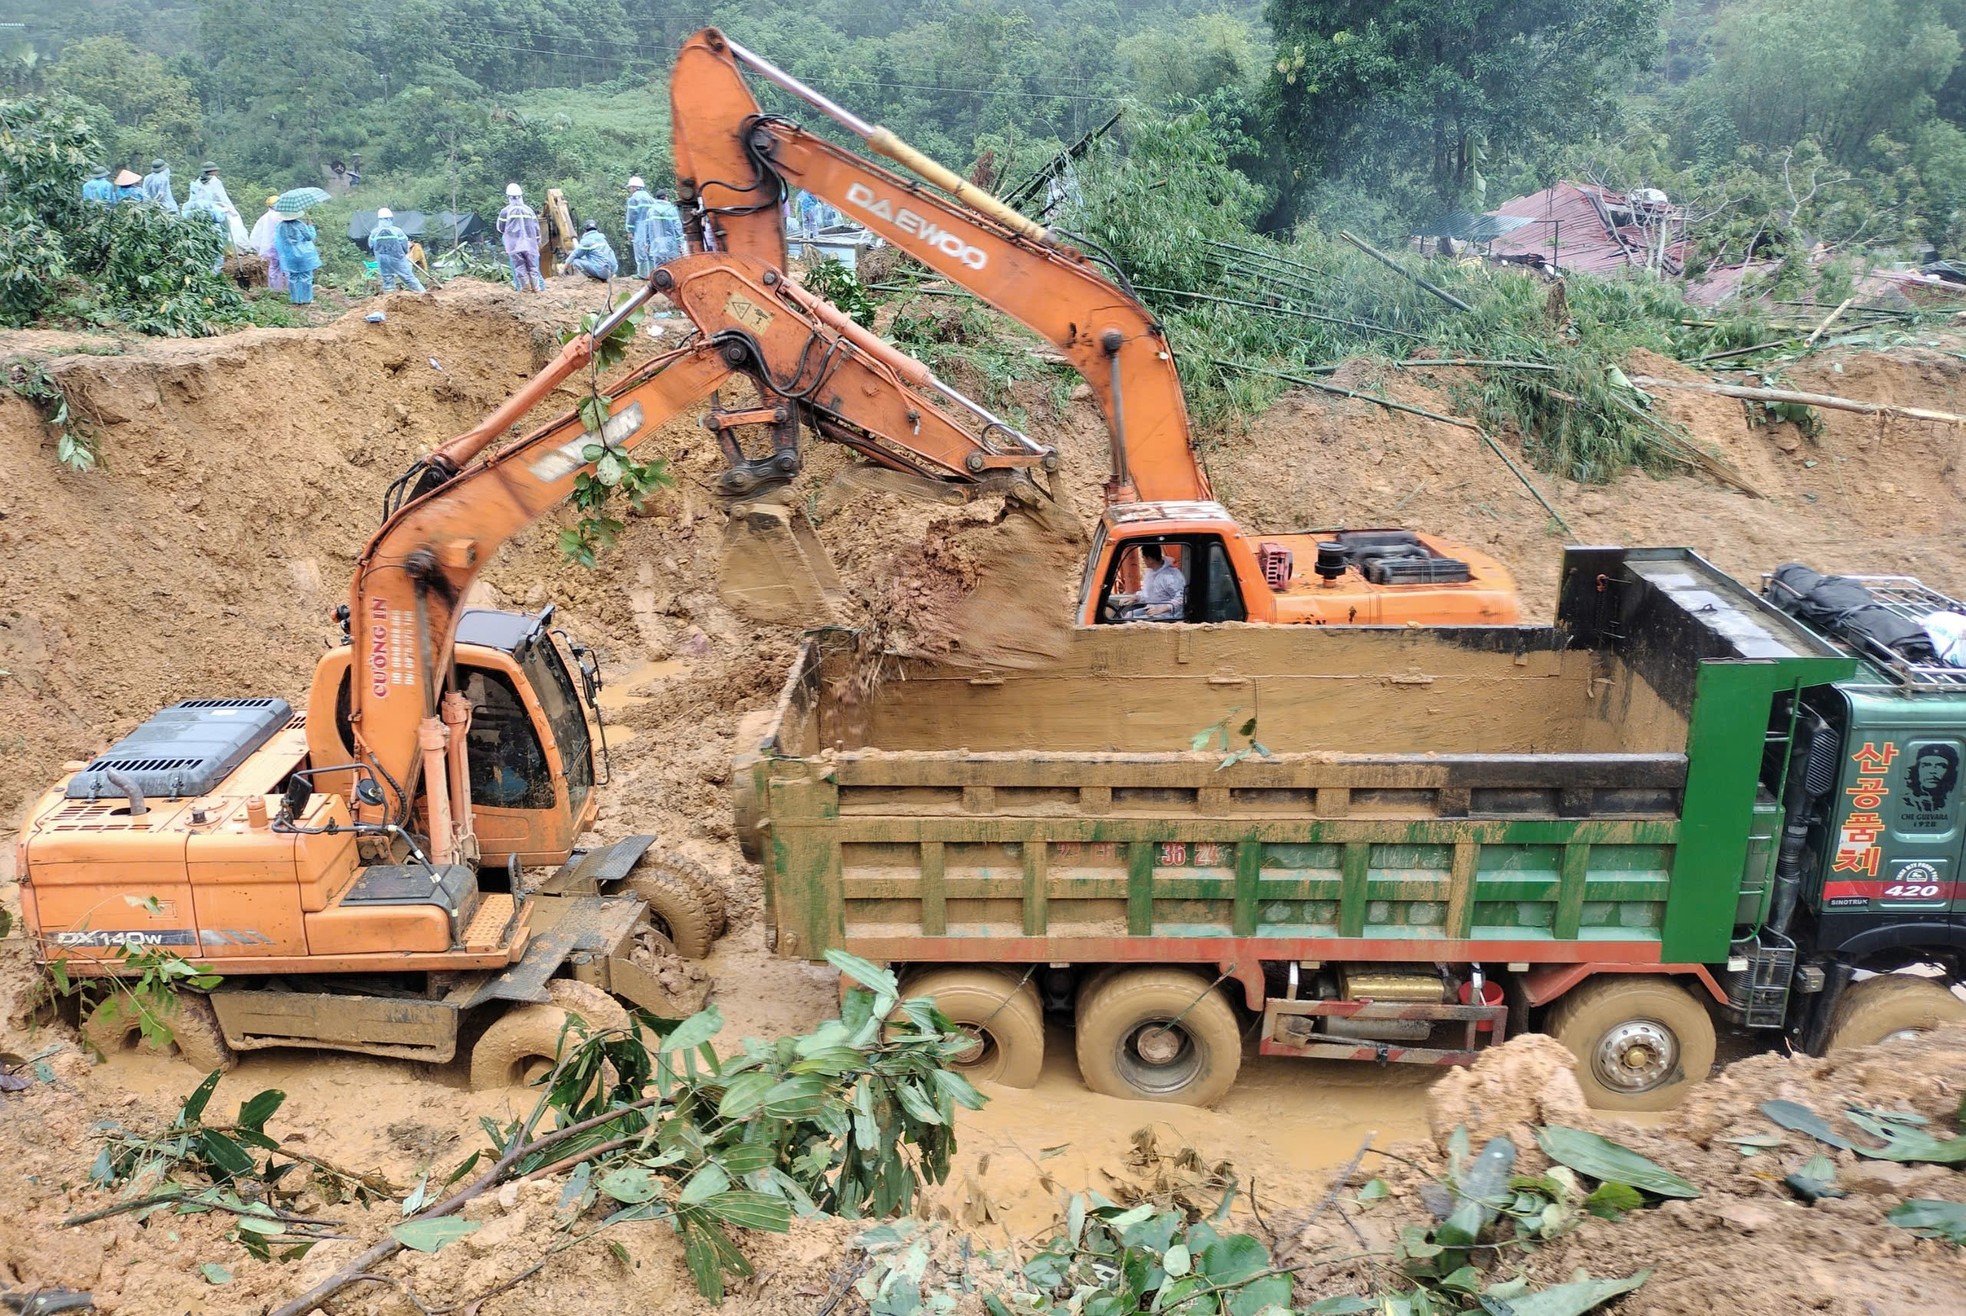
[241,478]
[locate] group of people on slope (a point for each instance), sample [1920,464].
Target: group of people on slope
[207,199]
[654,226]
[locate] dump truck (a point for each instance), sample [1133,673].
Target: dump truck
[1676,804]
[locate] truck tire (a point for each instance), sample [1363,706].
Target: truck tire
[1891,1005]
[111,1028]
[684,901]
[1641,1041]
[1158,1035]
[1001,1013]
[523,1044]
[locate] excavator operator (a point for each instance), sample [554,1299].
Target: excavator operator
[1162,595]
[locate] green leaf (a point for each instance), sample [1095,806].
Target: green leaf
[1931,1218]
[254,1114]
[875,979]
[432,1232]
[1177,1260]
[1574,1299]
[745,1094]
[750,1210]
[797,1097]
[916,1103]
[693,1031]
[260,1224]
[1906,1141]
[225,1153]
[1608,1201]
[1344,1304]
[1803,1120]
[630,1184]
[704,1184]
[1373,1190]
[747,1158]
[194,1105]
[1611,1162]
[214,1273]
[1268,1294]
[1233,1260]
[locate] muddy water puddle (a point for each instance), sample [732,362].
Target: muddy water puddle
[630,689]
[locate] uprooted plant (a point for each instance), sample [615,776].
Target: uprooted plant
[197,1166]
[849,1120]
[616,470]
[75,436]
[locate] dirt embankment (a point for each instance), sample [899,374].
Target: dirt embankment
[243,476]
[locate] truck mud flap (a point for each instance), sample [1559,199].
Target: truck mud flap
[589,871]
[580,930]
[771,567]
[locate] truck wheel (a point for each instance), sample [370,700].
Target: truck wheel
[684,901]
[1641,1042]
[523,1044]
[1002,1015]
[1889,1006]
[1158,1035]
[112,1028]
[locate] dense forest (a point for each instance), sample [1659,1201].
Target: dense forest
[1832,121]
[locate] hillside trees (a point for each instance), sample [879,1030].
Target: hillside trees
[1422,89]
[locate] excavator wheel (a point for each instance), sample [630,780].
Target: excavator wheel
[684,902]
[771,567]
[1888,1007]
[1641,1041]
[1002,1015]
[522,1045]
[196,1038]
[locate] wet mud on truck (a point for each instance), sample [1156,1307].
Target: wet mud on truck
[1677,808]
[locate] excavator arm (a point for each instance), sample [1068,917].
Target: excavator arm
[739,163]
[808,364]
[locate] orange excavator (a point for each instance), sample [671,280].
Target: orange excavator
[735,164]
[395,867]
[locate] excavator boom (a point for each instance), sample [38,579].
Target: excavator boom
[739,163]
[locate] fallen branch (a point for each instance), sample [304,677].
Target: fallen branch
[358,1270]
[1683,449]
[166,1199]
[1824,400]
[1410,409]
[1397,268]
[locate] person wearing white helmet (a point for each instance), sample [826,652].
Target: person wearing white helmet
[392,253]
[640,205]
[520,227]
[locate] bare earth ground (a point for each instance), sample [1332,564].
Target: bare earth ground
[242,475]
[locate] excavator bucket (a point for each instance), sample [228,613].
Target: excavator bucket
[771,567]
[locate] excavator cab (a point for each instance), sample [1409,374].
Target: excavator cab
[529,748]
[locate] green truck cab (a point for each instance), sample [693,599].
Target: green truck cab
[1392,844]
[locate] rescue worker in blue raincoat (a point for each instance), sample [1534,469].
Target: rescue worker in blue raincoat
[639,205]
[99,189]
[293,239]
[391,247]
[592,255]
[157,186]
[129,187]
[662,231]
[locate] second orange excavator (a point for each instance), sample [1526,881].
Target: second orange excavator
[736,164]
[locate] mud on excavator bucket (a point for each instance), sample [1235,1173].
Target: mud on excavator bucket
[771,567]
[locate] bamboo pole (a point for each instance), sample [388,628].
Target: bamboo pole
[1391,405]
[1824,400]
[1828,320]
[1364,325]
[1397,268]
